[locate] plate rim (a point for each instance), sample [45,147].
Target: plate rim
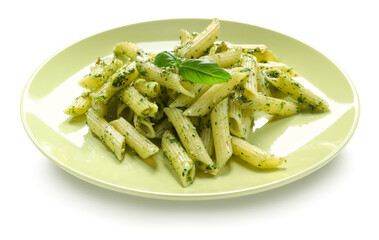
[192,196]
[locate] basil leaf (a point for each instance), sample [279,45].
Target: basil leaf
[167,59]
[203,71]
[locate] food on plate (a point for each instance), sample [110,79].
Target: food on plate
[200,99]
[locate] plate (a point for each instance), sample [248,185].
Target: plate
[308,141]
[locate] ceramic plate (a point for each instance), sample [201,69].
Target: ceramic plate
[308,141]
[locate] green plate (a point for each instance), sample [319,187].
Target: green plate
[308,141]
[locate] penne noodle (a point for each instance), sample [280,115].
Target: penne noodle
[124,111]
[206,134]
[106,132]
[260,51]
[161,127]
[138,142]
[250,86]
[221,134]
[185,101]
[148,89]
[144,125]
[280,66]
[100,107]
[225,59]
[80,105]
[275,106]
[185,37]
[180,160]
[103,69]
[122,78]
[170,80]
[297,91]
[140,105]
[127,51]
[188,135]
[198,46]
[240,119]
[216,93]
[254,155]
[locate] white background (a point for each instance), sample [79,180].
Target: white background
[39,200]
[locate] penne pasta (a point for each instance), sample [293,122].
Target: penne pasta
[216,93]
[250,86]
[260,51]
[122,78]
[188,136]
[180,160]
[170,80]
[185,101]
[161,106]
[275,106]
[148,89]
[225,59]
[103,69]
[297,91]
[221,134]
[280,66]
[106,132]
[80,105]
[185,37]
[263,85]
[206,134]
[124,111]
[198,46]
[240,119]
[127,51]
[144,125]
[140,105]
[254,155]
[161,127]
[138,142]
[100,107]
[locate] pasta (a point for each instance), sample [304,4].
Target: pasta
[185,101]
[221,134]
[100,73]
[188,135]
[250,86]
[240,119]
[254,155]
[80,105]
[162,127]
[196,47]
[206,134]
[180,160]
[110,136]
[139,143]
[170,80]
[225,59]
[198,101]
[149,89]
[216,93]
[144,125]
[140,105]
[294,89]
[123,77]
[275,106]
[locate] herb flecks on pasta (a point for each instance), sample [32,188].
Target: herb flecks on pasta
[199,100]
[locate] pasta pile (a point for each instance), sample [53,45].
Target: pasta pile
[128,100]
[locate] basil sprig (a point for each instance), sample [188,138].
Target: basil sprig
[201,71]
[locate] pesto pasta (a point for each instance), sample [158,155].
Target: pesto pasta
[198,101]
